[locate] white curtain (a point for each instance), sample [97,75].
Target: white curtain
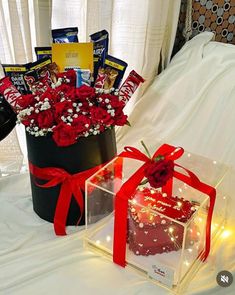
[24,24]
[141,32]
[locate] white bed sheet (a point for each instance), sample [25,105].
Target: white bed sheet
[34,261]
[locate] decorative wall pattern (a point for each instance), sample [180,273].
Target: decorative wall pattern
[216,16]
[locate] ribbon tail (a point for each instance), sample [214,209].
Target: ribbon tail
[121,216]
[62,208]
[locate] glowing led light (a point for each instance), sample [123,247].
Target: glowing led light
[224,197]
[191,230]
[108,238]
[200,219]
[97,242]
[172,239]
[164,195]
[198,233]
[189,155]
[186,263]
[190,250]
[180,190]
[171,229]
[225,234]
[141,188]
[223,227]
[179,204]
[214,162]
[134,201]
[152,191]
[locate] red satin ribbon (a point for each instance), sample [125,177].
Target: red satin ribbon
[71,184]
[129,187]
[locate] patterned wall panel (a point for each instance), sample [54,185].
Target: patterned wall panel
[216,16]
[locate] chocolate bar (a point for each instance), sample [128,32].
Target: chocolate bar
[101,41]
[83,77]
[113,65]
[16,74]
[9,92]
[65,35]
[42,52]
[129,86]
[99,82]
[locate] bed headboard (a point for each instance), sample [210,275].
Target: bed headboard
[216,16]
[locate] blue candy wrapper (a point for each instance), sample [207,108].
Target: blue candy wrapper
[65,35]
[83,77]
[101,41]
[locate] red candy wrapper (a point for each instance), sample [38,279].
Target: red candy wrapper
[99,82]
[129,86]
[10,93]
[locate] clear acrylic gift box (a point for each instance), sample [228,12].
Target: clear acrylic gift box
[164,249]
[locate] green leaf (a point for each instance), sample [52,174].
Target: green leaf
[144,181]
[128,123]
[146,149]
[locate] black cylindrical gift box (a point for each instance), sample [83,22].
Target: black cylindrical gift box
[87,153]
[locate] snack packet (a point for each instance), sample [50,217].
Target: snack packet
[83,77]
[112,73]
[65,35]
[100,50]
[43,52]
[9,92]
[129,86]
[16,74]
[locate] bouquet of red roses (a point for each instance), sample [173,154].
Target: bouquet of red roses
[69,112]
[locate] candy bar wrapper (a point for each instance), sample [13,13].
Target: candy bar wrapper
[40,71]
[45,67]
[9,92]
[65,35]
[101,41]
[115,69]
[99,82]
[83,77]
[43,52]
[129,86]
[16,74]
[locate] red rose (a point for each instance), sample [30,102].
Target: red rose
[45,119]
[27,120]
[101,116]
[70,77]
[81,123]
[120,119]
[84,92]
[61,109]
[159,172]
[50,94]
[26,100]
[110,99]
[64,134]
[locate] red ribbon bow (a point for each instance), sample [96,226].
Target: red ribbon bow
[129,187]
[71,184]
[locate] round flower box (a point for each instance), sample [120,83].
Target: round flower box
[87,153]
